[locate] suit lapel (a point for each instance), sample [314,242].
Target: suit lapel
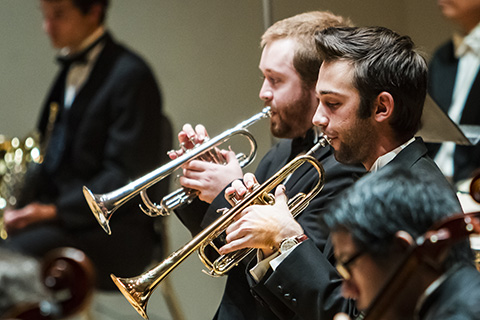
[447,71]
[89,91]
[471,111]
[408,156]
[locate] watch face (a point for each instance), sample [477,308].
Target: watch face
[287,244]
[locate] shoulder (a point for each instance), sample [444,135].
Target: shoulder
[124,61]
[443,54]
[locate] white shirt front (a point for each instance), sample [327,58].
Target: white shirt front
[79,72]
[467,50]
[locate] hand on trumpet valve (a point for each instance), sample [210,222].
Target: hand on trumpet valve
[188,138]
[260,226]
[210,178]
[239,189]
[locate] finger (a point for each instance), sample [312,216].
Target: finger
[199,165]
[232,246]
[230,195]
[280,195]
[174,154]
[189,183]
[188,131]
[249,180]
[201,133]
[240,188]
[229,156]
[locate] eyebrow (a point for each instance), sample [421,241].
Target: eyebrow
[324,92]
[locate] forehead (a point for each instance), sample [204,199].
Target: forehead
[335,77]
[57,5]
[343,244]
[278,55]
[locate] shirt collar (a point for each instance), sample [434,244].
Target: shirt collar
[464,43]
[387,157]
[87,42]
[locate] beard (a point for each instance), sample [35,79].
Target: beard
[356,145]
[291,122]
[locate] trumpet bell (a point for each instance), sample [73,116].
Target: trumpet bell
[130,289]
[101,213]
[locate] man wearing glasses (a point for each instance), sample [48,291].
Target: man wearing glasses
[373,236]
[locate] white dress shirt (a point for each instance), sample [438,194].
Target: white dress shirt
[467,50]
[79,72]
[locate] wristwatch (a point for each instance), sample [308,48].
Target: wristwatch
[289,243]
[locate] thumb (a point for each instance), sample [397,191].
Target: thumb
[280,195]
[229,156]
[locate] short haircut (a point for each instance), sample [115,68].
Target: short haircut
[383,61]
[302,28]
[393,199]
[86,5]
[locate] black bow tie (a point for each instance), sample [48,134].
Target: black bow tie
[67,61]
[80,57]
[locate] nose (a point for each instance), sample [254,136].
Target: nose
[266,93]
[47,26]
[319,118]
[348,290]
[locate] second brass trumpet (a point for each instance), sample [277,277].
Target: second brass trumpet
[137,290]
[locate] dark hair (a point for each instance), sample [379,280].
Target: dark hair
[393,199]
[383,61]
[86,5]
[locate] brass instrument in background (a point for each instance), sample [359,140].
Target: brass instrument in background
[138,289]
[16,155]
[103,205]
[17,159]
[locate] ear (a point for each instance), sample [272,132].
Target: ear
[403,239]
[95,12]
[384,105]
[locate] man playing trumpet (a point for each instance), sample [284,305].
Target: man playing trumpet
[290,65]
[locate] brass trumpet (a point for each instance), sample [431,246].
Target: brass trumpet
[103,205]
[138,289]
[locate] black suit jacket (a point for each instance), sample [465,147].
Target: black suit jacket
[237,301]
[456,298]
[306,285]
[442,73]
[115,132]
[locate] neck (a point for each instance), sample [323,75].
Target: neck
[468,24]
[92,36]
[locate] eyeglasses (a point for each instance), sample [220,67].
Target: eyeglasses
[342,267]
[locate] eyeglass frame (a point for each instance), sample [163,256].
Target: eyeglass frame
[342,267]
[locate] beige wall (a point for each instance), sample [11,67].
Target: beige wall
[205,55]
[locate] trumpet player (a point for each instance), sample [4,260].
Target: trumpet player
[289,64]
[371,87]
